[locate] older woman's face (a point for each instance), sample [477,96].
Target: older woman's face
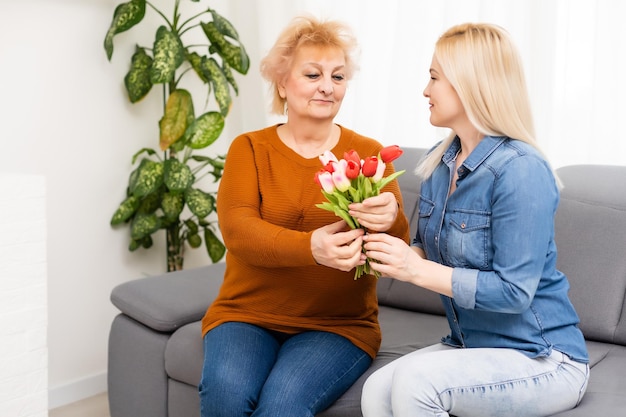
[316,84]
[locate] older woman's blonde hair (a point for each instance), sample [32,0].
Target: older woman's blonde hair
[306,31]
[484,67]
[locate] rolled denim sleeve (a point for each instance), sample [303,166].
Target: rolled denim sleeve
[464,287]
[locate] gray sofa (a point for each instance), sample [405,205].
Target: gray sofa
[155,348]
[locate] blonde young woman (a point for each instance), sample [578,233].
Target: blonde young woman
[291,330]
[486,244]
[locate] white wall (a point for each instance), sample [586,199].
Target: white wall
[23,301]
[64,116]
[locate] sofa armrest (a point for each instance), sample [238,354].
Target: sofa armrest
[171,300]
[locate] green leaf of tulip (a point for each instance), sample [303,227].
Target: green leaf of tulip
[125,16]
[204,130]
[137,80]
[148,178]
[200,203]
[176,175]
[177,116]
[168,54]
[215,248]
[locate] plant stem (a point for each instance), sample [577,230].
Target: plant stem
[175,248]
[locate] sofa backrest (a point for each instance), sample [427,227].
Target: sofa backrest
[590,228]
[591,242]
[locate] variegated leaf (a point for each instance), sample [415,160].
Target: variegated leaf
[219,82]
[236,56]
[204,130]
[215,248]
[125,16]
[168,53]
[177,176]
[176,117]
[147,179]
[144,225]
[200,203]
[137,81]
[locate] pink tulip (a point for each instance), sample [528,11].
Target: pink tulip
[380,171]
[341,181]
[325,180]
[327,157]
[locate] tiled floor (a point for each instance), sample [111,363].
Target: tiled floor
[96,406]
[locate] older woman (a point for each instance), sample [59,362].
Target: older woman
[291,329]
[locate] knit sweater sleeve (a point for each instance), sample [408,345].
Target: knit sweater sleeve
[246,234]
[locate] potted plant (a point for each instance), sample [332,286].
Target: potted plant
[162,192]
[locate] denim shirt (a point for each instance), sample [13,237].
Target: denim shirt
[496,231]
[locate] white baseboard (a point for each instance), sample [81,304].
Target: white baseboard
[77,390]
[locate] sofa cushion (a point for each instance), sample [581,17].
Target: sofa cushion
[591,252]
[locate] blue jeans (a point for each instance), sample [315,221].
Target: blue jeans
[441,380]
[251,371]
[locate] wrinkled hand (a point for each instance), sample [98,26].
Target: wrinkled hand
[376,213]
[337,246]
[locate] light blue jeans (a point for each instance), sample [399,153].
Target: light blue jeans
[250,371]
[441,380]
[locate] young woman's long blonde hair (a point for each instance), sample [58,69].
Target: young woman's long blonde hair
[483,65]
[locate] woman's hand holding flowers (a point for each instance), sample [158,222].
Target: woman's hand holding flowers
[337,246]
[377,213]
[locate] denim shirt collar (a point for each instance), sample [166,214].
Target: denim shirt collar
[485,147]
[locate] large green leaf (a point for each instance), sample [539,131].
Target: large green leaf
[148,178]
[236,56]
[177,116]
[125,16]
[172,205]
[144,225]
[137,81]
[204,130]
[224,26]
[219,81]
[168,54]
[177,176]
[196,63]
[215,248]
[230,77]
[200,203]
[126,209]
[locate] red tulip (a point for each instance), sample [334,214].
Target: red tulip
[353,169]
[390,153]
[352,155]
[370,165]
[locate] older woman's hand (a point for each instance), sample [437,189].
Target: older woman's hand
[337,246]
[376,213]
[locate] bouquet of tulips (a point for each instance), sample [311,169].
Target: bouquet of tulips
[352,180]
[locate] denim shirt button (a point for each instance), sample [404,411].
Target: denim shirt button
[462,225]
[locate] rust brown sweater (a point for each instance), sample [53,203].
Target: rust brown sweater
[266,210]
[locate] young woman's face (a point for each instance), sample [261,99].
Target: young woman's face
[316,84]
[446,109]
